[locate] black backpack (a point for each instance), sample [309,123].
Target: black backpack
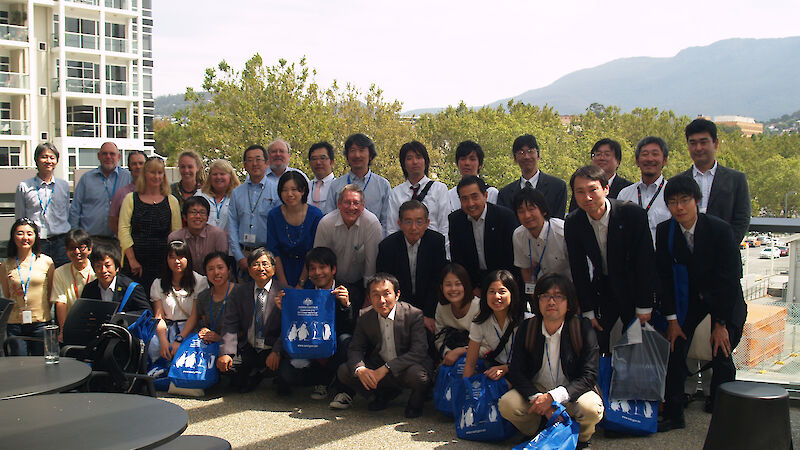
[121,356]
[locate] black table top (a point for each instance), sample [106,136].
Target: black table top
[93,420]
[21,376]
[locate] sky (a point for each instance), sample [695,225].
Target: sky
[435,53]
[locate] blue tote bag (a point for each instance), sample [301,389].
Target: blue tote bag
[446,381]
[560,433]
[194,364]
[634,417]
[475,407]
[308,323]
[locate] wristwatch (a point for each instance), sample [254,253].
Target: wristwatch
[179,339]
[387,366]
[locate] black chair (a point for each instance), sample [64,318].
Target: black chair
[82,323]
[194,442]
[750,415]
[6,306]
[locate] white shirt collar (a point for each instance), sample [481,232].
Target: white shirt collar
[266,286]
[534,179]
[557,334]
[340,220]
[111,286]
[326,179]
[603,220]
[422,181]
[391,314]
[712,170]
[611,178]
[356,177]
[482,217]
[543,232]
[40,181]
[409,246]
[690,230]
[655,183]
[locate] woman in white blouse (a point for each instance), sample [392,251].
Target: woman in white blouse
[173,296]
[217,190]
[455,312]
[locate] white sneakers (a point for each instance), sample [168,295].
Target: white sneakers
[319,392]
[342,400]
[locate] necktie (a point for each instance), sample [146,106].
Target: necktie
[260,303]
[317,192]
[528,185]
[415,189]
[689,240]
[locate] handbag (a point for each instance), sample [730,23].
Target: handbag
[634,417]
[453,338]
[446,380]
[193,366]
[308,323]
[560,433]
[640,364]
[475,406]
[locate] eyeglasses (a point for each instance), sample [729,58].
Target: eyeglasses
[683,201]
[81,248]
[409,222]
[196,212]
[558,298]
[261,264]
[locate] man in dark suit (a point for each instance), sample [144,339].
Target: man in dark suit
[526,154]
[111,285]
[481,233]
[415,255]
[610,255]
[725,191]
[388,352]
[706,247]
[607,154]
[254,333]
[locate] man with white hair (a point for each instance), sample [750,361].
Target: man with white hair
[279,152]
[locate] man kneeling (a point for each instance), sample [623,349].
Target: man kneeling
[557,361]
[389,351]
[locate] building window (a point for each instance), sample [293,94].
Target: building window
[117,122]
[115,38]
[83,77]
[83,121]
[10,156]
[81,33]
[116,80]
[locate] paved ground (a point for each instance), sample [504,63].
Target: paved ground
[261,419]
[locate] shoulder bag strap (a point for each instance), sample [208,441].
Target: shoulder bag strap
[421,195]
[127,295]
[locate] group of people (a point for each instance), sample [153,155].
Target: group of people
[421,274]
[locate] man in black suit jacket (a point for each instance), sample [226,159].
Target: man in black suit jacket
[610,255]
[726,188]
[497,225]
[607,154]
[259,343]
[415,246]
[105,261]
[705,245]
[526,154]
[372,366]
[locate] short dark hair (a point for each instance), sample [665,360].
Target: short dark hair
[322,144]
[466,147]
[78,237]
[471,179]
[652,140]
[255,147]
[591,172]
[180,249]
[321,255]
[461,273]
[139,152]
[258,253]
[611,143]
[516,311]
[12,246]
[532,197]
[45,146]
[381,277]
[193,201]
[411,205]
[526,140]
[418,148]
[701,125]
[101,250]
[566,287]
[682,185]
[213,255]
[299,180]
[361,140]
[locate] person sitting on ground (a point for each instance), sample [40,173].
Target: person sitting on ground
[110,285]
[70,279]
[556,359]
[212,301]
[455,312]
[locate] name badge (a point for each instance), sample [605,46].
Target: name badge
[27,317]
[260,344]
[249,238]
[529,287]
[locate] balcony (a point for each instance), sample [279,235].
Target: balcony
[118,88]
[118,4]
[79,85]
[14,127]
[14,33]
[77,40]
[14,80]
[85,2]
[117,45]
[83,129]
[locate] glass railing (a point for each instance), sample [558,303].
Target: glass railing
[83,129]
[79,85]
[117,87]
[78,40]
[14,80]
[14,127]
[14,33]
[117,131]
[117,45]
[86,2]
[118,4]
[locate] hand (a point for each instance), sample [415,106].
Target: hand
[496,372]
[644,318]
[243,264]
[720,340]
[202,333]
[452,356]
[430,323]
[674,331]
[279,299]
[136,268]
[174,349]
[370,378]
[165,351]
[541,404]
[273,360]
[596,325]
[224,363]
[211,337]
[343,295]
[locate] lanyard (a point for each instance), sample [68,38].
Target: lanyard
[639,191]
[499,337]
[41,203]
[75,281]
[27,282]
[365,184]
[530,252]
[250,199]
[221,204]
[105,185]
[549,367]
[221,310]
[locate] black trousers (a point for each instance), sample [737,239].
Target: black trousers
[320,371]
[416,377]
[254,364]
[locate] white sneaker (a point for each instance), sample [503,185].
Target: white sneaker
[342,400]
[319,392]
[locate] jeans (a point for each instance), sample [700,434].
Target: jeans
[26,348]
[55,249]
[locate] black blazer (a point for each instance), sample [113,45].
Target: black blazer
[631,269]
[617,185]
[729,199]
[580,370]
[554,190]
[137,302]
[410,341]
[715,269]
[431,258]
[498,248]
[239,315]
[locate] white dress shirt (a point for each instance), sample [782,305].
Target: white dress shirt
[455,202]
[704,180]
[534,180]
[412,249]
[551,376]
[388,350]
[478,227]
[658,211]
[107,295]
[528,248]
[600,228]
[435,200]
[356,248]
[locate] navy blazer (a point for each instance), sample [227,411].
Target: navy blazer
[239,315]
[617,185]
[137,302]
[729,199]
[554,190]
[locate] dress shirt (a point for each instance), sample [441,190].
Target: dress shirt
[551,376]
[268,307]
[528,247]
[478,228]
[600,228]
[356,248]
[435,200]
[107,295]
[46,204]
[323,191]
[376,194]
[116,202]
[658,211]
[413,249]
[534,180]
[209,239]
[688,233]
[272,177]
[247,213]
[705,180]
[455,202]
[92,199]
[388,350]
[218,213]
[611,178]
[68,283]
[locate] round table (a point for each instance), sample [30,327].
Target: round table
[93,420]
[21,376]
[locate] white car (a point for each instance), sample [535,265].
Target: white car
[770,253]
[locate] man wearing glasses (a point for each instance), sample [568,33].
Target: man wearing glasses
[320,157]
[201,237]
[607,155]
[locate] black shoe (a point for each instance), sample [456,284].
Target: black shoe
[250,384]
[667,424]
[412,412]
[708,406]
[582,445]
[284,390]
[687,398]
[379,403]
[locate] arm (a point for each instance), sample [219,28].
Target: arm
[646,277]
[75,206]
[273,242]
[579,267]
[188,328]
[161,331]
[125,213]
[371,242]
[471,361]
[357,350]
[560,199]
[175,209]
[233,229]
[418,351]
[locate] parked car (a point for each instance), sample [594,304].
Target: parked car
[784,250]
[769,253]
[743,245]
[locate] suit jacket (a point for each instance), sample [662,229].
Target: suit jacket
[617,185]
[715,270]
[393,259]
[239,315]
[729,199]
[498,248]
[410,341]
[554,190]
[137,302]
[580,369]
[631,278]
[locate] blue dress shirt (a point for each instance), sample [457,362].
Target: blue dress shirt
[247,213]
[46,204]
[93,195]
[376,194]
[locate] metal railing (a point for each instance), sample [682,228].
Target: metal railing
[83,129]
[14,127]
[758,290]
[78,40]
[14,80]
[14,33]
[117,88]
[116,45]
